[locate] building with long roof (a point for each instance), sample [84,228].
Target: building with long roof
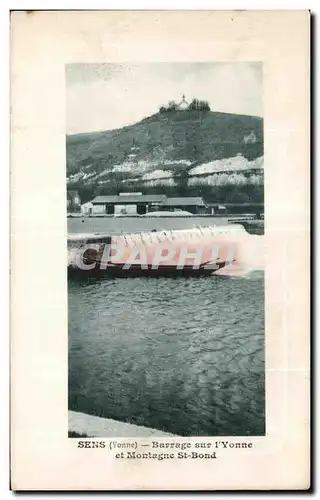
[139,204]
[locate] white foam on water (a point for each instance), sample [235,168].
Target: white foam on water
[250,257]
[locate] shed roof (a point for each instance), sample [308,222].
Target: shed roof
[183,201]
[148,198]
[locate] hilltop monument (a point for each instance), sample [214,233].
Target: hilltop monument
[183,105]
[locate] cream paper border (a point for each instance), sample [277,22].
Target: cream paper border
[43,458]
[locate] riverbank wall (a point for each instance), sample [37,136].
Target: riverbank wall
[84,425]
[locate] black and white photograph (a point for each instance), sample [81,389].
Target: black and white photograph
[165,218]
[160,250]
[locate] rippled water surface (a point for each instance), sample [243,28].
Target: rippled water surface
[182,355]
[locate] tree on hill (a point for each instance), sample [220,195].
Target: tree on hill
[197,105]
[172,106]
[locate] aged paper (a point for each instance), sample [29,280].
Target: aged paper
[45,47]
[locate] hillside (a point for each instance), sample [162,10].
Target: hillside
[163,150]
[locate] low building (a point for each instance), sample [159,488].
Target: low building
[128,204]
[139,204]
[193,204]
[86,208]
[216,209]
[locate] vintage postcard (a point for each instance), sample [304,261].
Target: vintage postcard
[160,250]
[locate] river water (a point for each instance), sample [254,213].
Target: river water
[182,355]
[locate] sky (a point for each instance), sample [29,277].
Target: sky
[108,96]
